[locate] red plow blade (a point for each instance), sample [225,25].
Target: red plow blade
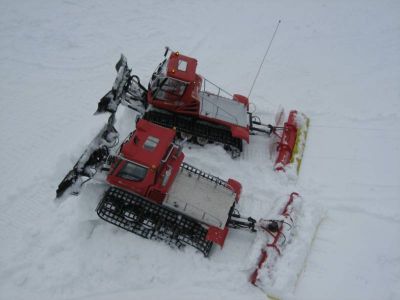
[279,234]
[290,147]
[282,245]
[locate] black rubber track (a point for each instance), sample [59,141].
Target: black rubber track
[197,128]
[152,221]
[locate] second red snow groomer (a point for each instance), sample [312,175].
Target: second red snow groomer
[200,111]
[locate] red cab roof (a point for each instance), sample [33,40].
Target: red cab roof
[181,67]
[148,144]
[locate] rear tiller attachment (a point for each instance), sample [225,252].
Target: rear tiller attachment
[278,233]
[288,139]
[274,233]
[291,141]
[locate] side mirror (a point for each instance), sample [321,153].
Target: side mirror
[111,159]
[166,51]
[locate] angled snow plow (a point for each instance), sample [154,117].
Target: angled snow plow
[91,161]
[126,89]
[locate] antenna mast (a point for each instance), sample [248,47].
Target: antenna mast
[265,55]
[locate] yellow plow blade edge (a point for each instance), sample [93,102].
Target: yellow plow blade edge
[297,155]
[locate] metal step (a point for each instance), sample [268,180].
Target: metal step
[152,221]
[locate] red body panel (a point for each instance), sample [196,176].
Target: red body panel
[181,67]
[217,235]
[155,183]
[240,132]
[287,142]
[242,99]
[236,187]
[134,149]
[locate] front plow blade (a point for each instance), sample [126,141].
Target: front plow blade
[292,142]
[91,160]
[111,100]
[126,89]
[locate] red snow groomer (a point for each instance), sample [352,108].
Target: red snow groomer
[154,194]
[200,111]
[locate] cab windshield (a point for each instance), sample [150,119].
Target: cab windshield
[134,172]
[167,88]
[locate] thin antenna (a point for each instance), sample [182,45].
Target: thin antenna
[265,55]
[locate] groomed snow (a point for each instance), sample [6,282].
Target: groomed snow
[336,61]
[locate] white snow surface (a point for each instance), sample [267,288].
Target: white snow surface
[336,61]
